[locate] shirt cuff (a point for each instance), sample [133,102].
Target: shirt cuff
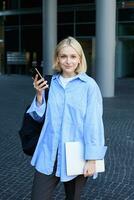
[95,152]
[36,108]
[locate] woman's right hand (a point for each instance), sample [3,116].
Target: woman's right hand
[39,85]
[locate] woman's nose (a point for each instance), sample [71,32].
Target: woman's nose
[68,60]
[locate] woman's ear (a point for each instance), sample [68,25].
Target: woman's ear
[57,60]
[79,60]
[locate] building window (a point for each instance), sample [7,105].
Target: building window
[31,3]
[85,16]
[12,20]
[85,29]
[63,2]
[11,4]
[12,40]
[126,29]
[65,17]
[32,39]
[65,31]
[126,14]
[31,19]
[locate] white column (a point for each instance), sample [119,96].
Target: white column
[105,45]
[49,8]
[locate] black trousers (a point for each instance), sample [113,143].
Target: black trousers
[44,185]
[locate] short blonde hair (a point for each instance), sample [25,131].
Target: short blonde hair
[72,42]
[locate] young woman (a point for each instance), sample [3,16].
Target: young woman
[73,113]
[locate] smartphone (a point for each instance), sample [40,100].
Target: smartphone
[36,71]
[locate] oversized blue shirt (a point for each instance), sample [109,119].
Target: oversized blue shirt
[73,113]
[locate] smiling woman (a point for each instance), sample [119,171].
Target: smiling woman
[70,50]
[73,113]
[68,59]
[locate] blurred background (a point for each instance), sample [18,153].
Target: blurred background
[21,33]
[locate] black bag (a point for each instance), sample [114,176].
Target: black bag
[30,129]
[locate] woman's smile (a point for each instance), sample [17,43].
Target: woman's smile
[68,60]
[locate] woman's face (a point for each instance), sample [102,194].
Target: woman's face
[68,60]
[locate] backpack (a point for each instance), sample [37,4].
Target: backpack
[30,129]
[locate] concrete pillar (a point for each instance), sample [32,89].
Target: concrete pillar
[49,33]
[105,45]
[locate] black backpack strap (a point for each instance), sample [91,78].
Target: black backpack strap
[30,129]
[48,78]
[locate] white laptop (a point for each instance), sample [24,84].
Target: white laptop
[75,159]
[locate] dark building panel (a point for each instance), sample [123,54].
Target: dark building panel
[126,14]
[30,19]
[63,2]
[85,30]
[31,3]
[126,29]
[12,39]
[12,20]
[65,31]
[85,16]
[66,17]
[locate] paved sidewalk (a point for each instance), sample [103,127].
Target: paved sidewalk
[16,173]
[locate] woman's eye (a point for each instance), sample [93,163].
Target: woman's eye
[63,56]
[73,56]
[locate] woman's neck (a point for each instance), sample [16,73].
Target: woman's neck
[68,75]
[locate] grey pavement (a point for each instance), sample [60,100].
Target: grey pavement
[16,173]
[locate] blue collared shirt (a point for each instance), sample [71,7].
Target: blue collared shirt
[73,113]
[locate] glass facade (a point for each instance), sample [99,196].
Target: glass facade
[2,44]
[16,4]
[21,28]
[126,29]
[30,4]
[125,39]
[79,22]
[68,2]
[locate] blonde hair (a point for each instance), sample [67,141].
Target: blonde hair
[72,42]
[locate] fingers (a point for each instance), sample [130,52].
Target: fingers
[88,172]
[89,169]
[35,78]
[40,84]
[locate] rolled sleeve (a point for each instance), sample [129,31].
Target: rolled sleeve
[37,111]
[94,152]
[93,126]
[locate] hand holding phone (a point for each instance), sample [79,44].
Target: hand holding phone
[36,71]
[39,82]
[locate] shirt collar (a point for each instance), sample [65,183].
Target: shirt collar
[81,76]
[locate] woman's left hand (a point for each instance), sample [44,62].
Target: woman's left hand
[89,168]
